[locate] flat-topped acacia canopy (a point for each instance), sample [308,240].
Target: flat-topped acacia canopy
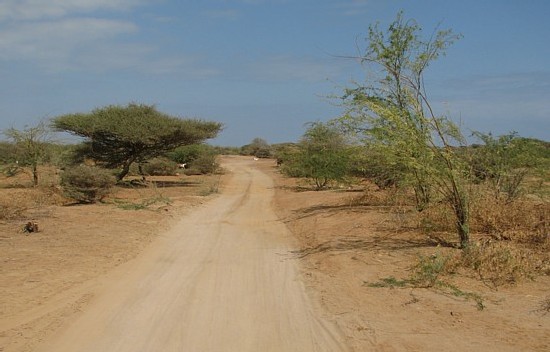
[118,136]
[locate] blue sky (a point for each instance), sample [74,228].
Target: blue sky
[264,67]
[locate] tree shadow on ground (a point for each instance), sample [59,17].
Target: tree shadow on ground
[330,210]
[354,244]
[157,183]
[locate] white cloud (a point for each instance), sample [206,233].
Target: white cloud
[48,9]
[58,40]
[64,35]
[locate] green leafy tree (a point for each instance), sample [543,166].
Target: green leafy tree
[393,116]
[30,146]
[118,136]
[505,161]
[322,156]
[199,158]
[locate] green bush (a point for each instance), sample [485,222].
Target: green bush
[322,156]
[160,167]
[7,153]
[200,159]
[258,148]
[87,184]
[206,164]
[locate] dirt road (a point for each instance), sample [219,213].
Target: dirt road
[221,280]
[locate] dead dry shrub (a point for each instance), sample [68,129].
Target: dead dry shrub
[544,306]
[21,203]
[13,208]
[375,196]
[436,219]
[500,263]
[523,219]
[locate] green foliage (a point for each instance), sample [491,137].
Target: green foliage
[227,150]
[428,270]
[118,136]
[30,146]
[206,164]
[199,158]
[288,156]
[390,282]
[322,156]
[377,167]
[505,161]
[393,117]
[87,184]
[428,273]
[8,153]
[160,167]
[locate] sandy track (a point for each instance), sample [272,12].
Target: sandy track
[221,280]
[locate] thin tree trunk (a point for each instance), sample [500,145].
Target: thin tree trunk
[124,172]
[35,175]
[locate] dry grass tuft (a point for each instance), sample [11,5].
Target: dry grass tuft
[523,219]
[500,263]
[16,203]
[544,307]
[11,209]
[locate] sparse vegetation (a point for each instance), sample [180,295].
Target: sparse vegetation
[145,203]
[87,184]
[428,273]
[390,282]
[30,147]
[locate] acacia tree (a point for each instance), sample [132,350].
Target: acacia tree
[118,136]
[393,116]
[323,155]
[31,146]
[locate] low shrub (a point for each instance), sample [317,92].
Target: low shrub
[201,159]
[160,167]
[87,184]
[428,269]
[206,164]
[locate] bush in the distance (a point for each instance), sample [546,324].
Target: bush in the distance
[206,164]
[200,159]
[87,184]
[160,167]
